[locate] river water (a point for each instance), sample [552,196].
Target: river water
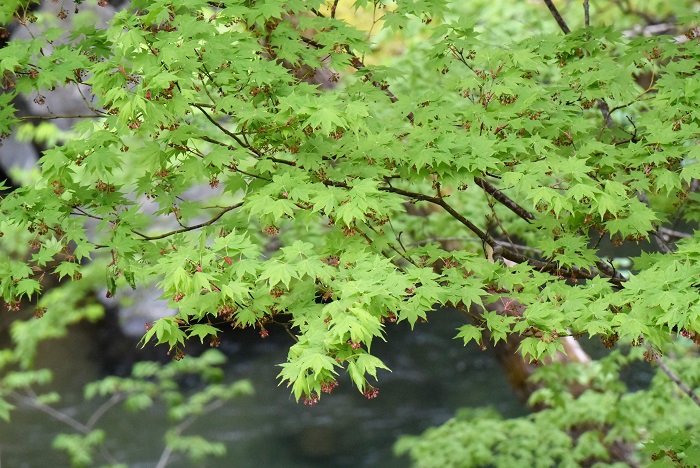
[433,375]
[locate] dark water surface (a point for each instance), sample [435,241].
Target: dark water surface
[433,375]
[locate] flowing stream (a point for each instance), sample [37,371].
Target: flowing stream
[432,376]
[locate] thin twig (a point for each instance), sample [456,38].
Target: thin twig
[82,212]
[442,203]
[392,246]
[225,130]
[586,14]
[190,228]
[32,401]
[180,428]
[500,250]
[494,216]
[54,117]
[672,375]
[557,16]
[441,240]
[104,407]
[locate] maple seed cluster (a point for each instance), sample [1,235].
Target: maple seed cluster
[328,387]
[271,230]
[311,400]
[104,187]
[179,354]
[354,344]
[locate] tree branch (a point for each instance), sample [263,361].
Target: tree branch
[224,129]
[180,428]
[500,250]
[504,199]
[442,203]
[333,8]
[54,117]
[32,401]
[557,16]
[675,379]
[104,407]
[190,228]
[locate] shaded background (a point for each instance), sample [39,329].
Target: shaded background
[432,376]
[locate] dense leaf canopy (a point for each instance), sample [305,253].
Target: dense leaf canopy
[495,159]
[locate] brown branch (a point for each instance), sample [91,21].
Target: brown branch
[572,272]
[224,129]
[557,16]
[54,117]
[442,203]
[586,14]
[81,212]
[504,199]
[333,8]
[499,249]
[190,228]
[232,148]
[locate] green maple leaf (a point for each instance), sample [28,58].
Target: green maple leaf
[202,330]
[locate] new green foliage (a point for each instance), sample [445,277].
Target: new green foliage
[496,160]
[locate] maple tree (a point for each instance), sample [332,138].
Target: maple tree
[493,163]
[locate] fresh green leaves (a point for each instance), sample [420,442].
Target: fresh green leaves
[267,164]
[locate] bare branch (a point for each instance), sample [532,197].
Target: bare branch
[32,401]
[557,16]
[54,117]
[224,129]
[669,234]
[180,428]
[334,7]
[504,199]
[675,379]
[104,407]
[442,203]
